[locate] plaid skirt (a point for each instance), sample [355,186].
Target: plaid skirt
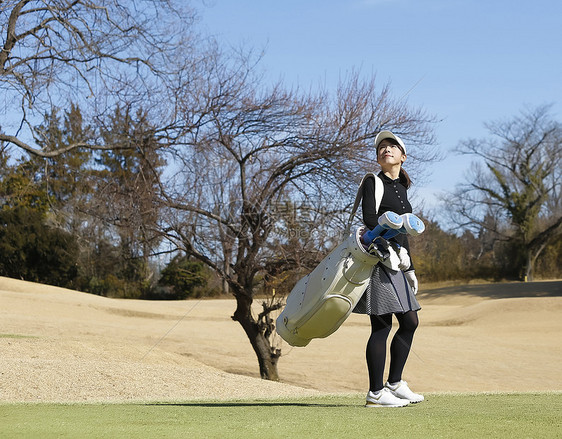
[388,292]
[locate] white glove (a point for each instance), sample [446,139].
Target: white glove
[405,261]
[412,280]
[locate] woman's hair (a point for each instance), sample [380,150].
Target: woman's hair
[404,177]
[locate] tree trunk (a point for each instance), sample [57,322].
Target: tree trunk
[225,287]
[529,268]
[532,255]
[267,355]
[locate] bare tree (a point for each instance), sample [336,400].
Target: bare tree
[97,53]
[255,148]
[235,150]
[517,182]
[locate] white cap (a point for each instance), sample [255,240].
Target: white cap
[388,135]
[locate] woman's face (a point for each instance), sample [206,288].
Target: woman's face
[390,153]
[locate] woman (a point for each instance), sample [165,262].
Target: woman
[389,292]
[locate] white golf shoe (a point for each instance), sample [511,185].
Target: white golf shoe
[384,398]
[401,390]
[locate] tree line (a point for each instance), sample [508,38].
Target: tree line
[89,220]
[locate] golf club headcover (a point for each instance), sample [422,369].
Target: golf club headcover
[412,225]
[388,220]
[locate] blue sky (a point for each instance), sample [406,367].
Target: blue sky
[467,62]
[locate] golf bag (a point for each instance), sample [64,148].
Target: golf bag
[321,301]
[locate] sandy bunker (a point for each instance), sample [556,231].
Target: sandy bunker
[62,345]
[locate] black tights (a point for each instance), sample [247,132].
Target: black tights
[399,348]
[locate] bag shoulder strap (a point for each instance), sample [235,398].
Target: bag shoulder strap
[379,190]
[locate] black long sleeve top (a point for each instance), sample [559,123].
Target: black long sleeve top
[394,199]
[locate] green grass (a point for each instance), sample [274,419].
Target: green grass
[440,416]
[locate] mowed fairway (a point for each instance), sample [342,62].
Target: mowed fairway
[441,416]
[78,365]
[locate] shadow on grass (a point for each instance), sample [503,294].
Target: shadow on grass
[500,290]
[223,404]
